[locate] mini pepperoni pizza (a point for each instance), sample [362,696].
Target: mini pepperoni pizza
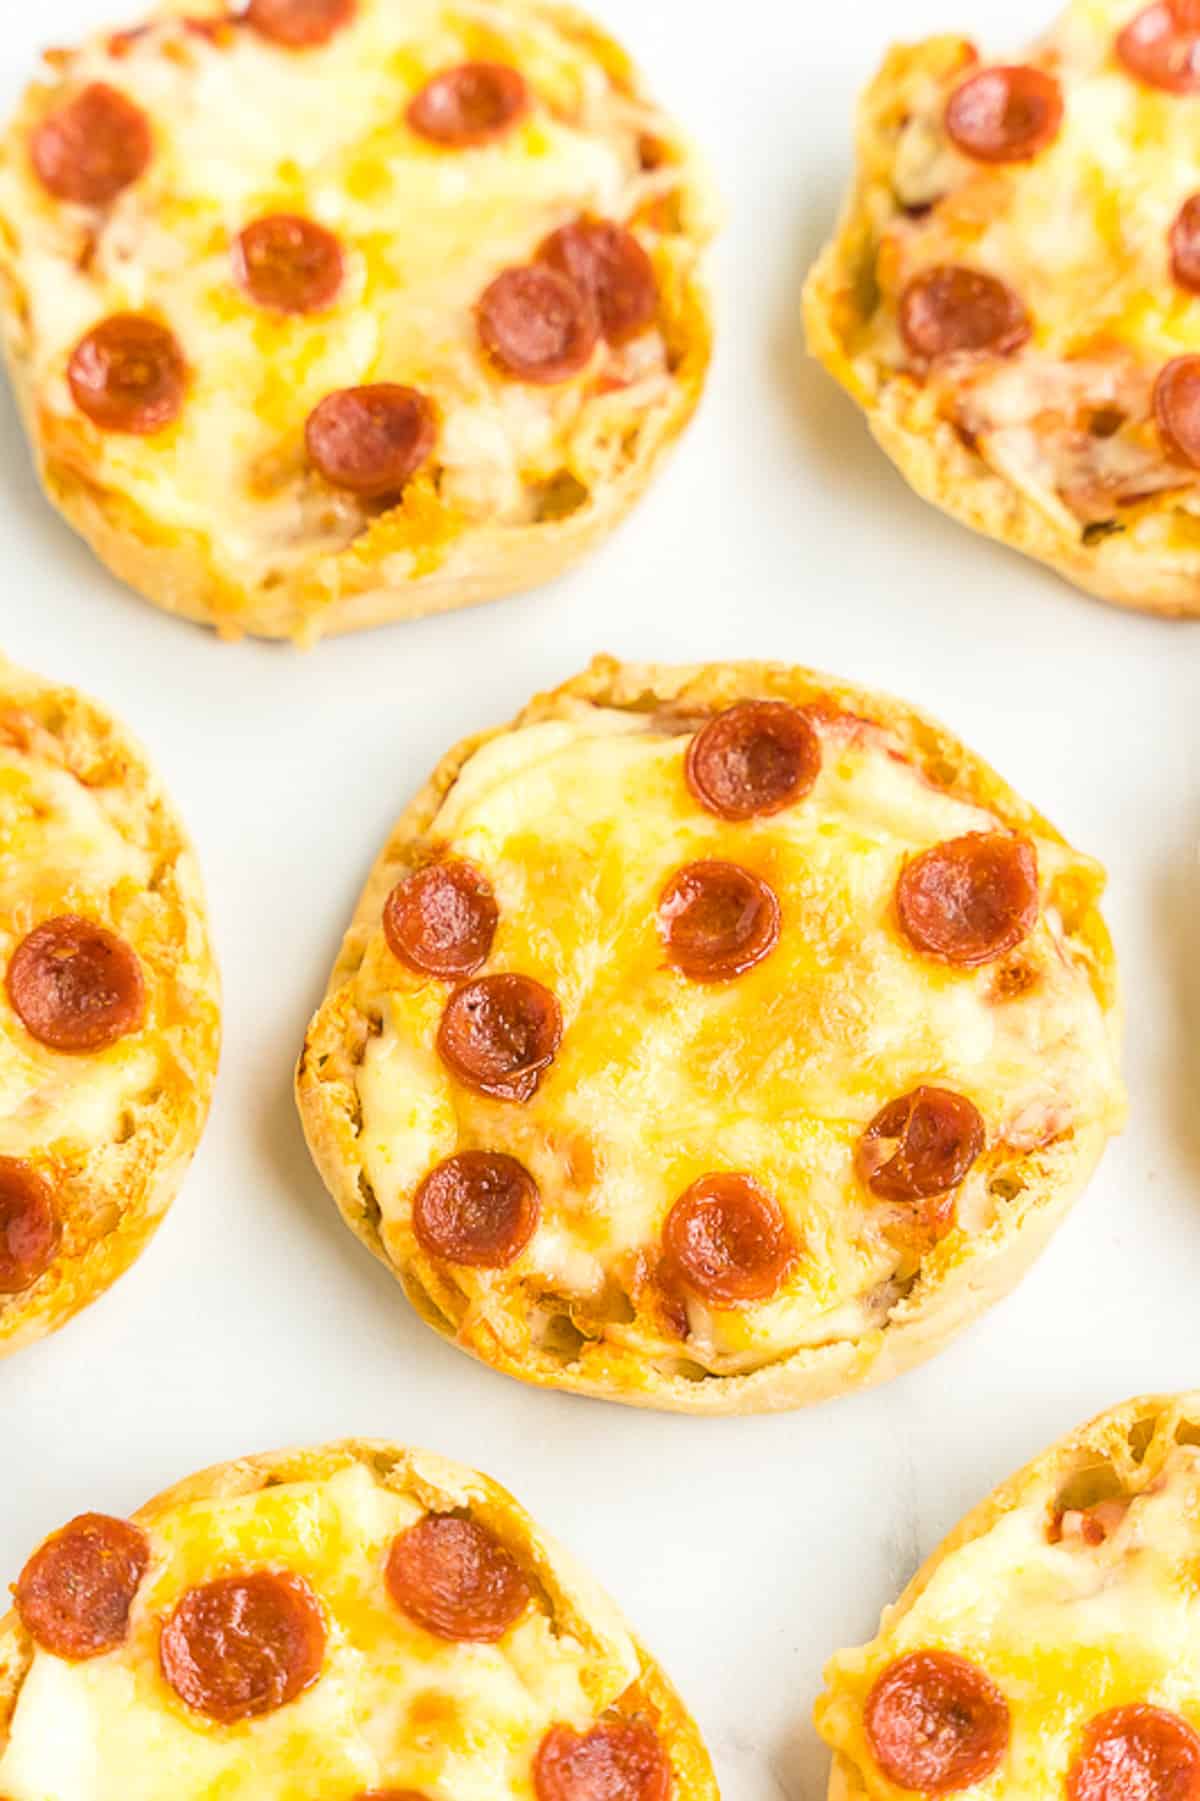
[109,1017]
[326,312]
[358,1623]
[714,1039]
[1050,1648]
[1013,295]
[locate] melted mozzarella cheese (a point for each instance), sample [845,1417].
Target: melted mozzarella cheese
[579,823]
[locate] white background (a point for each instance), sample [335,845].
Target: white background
[745,1550]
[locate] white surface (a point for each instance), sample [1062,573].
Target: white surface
[746,1551]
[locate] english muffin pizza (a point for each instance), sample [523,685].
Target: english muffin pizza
[1050,1647]
[326,312]
[109,1018]
[1013,295]
[714,1038]
[358,1623]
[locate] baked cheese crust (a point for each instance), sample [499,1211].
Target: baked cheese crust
[579,816]
[99,1133]
[212,504]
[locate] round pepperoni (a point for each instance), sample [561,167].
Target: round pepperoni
[371,440]
[29,1227]
[949,308]
[936,1723]
[1185,245]
[1005,115]
[75,1592]
[611,271]
[717,920]
[92,149]
[727,1240]
[1161,46]
[451,1577]
[244,1645]
[621,1761]
[921,1145]
[289,264]
[1177,407]
[479,1209]
[971,899]
[1137,1753]
[128,375]
[75,986]
[471,104]
[300,24]
[500,1034]
[442,920]
[754,759]
[536,325]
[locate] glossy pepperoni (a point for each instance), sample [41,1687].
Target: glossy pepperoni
[371,440]
[92,149]
[442,920]
[289,263]
[1005,115]
[500,1034]
[717,920]
[970,900]
[128,375]
[29,1226]
[1137,1753]
[754,759]
[950,308]
[537,326]
[1185,245]
[75,986]
[471,104]
[1177,407]
[451,1577]
[727,1241]
[613,272]
[479,1209]
[921,1145]
[1161,46]
[937,1723]
[244,1645]
[300,24]
[619,1761]
[75,1593]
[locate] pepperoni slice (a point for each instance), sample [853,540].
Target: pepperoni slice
[300,24]
[1137,1753]
[611,271]
[921,1145]
[949,308]
[536,325]
[479,1209]
[371,440]
[936,1723]
[1161,46]
[442,920]
[754,759]
[1177,407]
[451,1577]
[244,1645]
[128,375]
[717,920]
[1005,115]
[289,264]
[75,986]
[619,1761]
[75,1592]
[727,1240]
[29,1227]
[92,149]
[972,899]
[500,1034]
[469,105]
[1185,245]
